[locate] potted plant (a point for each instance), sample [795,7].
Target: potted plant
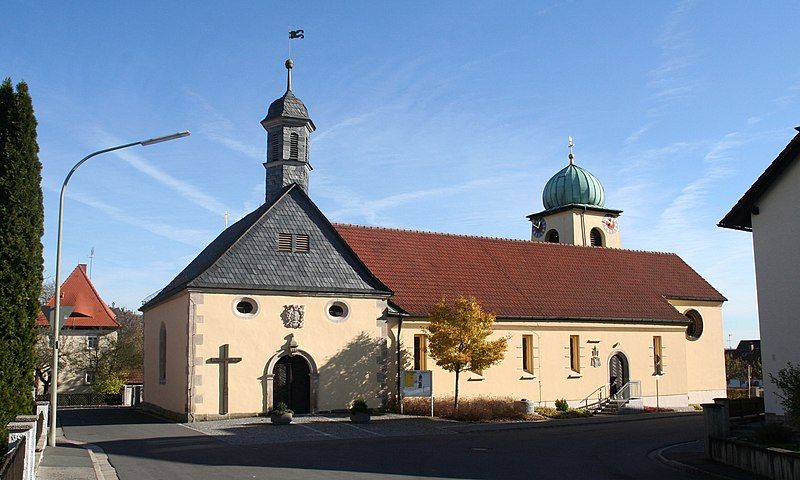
[281,415]
[359,411]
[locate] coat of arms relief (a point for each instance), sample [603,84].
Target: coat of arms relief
[293,316]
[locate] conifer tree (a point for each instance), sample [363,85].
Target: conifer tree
[21,228]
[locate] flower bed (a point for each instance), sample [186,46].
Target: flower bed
[559,414]
[469,409]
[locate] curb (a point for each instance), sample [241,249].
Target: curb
[676,465]
[103,469]
[550,423]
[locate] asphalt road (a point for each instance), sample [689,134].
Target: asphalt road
[143,447]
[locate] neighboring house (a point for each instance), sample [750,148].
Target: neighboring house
[132,390]
[749,352]
[285,306]
[767,210]
[90,324]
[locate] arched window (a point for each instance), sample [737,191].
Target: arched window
[552,236]
[293,147]
[162,354]
[596,237]
[695,328]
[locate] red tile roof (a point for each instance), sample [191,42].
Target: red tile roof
[89,310]
[134,377]
[519,279]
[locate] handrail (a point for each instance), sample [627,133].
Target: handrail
[600,397]
[632,389]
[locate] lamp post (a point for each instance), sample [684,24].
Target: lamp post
[56,323]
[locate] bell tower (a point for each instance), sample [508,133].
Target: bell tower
[574,210]
[288,128]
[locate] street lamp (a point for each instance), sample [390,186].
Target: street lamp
[56,323]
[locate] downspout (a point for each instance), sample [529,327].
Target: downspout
[399,329]
[583,225]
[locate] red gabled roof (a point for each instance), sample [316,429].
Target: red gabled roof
[518,279]
[89,310]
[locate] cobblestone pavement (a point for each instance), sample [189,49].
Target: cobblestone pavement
[259,430]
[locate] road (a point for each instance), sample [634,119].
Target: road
[143,447]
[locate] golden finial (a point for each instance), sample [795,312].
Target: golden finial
[571,155]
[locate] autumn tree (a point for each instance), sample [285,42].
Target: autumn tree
[458,338]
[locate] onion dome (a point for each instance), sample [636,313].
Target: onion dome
[573,185]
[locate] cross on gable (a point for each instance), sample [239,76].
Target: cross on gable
[223,361]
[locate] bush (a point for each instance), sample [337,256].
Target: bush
[773,433]
[562,405]
[788,381]
[550,412]
[280,409]
[469,409]
[360,406]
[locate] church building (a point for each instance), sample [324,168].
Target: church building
[286,306]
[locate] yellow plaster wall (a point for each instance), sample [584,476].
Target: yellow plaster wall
[174,313]
[571,231]
[553,378]
[705,357]
[349,355]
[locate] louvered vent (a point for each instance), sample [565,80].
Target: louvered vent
[301,244]
[293,146]
[285,242]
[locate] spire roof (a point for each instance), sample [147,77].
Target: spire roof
[287,106]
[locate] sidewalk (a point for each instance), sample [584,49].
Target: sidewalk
[70,460]
[690,458]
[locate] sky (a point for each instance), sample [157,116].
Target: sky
[442,116]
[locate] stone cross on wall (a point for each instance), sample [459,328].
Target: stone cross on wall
[223,360]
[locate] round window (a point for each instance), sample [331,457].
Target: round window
[695,328]
[338,311]
[245,307]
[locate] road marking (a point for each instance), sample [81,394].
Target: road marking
[349,424]
[315,430]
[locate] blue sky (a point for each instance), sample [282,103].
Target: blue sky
[444,116]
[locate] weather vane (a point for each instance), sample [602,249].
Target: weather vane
[292,35]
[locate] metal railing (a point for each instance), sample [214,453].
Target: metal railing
[632,389]
[601,393]
[12,466]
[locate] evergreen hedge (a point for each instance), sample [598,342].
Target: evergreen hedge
[21,229]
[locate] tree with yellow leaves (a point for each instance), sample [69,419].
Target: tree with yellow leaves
[458,338]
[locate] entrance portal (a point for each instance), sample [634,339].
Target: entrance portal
[292,383]
[617,373]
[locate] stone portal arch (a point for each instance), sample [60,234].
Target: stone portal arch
[268,380]
[618,371]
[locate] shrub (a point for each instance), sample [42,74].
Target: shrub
[788,381]
[562,405]
[773,433]
[360,406]
[469,409]
[550,412]
[280,409]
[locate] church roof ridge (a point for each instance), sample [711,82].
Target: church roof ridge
[488,237]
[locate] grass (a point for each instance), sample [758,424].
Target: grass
[492,409]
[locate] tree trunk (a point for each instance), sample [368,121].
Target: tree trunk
[455,398]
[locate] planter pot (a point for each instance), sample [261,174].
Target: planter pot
[359,417]
[280,418]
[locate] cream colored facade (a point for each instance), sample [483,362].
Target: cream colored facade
[75,352]
[347,358]
[575,224]
[775,231]
[691,373]
[356,358]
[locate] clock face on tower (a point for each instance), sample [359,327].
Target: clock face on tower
[610,224]
[539,226]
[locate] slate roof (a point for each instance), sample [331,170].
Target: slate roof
[287,106]
[524,279]
[245,255]
[739,216]
[89,309]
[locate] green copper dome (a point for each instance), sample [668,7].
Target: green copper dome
[573,185]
